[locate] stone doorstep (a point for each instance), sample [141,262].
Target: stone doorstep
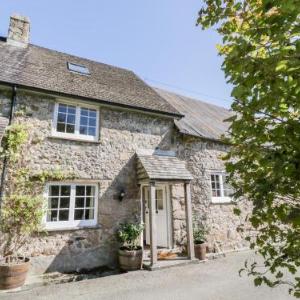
[168,263]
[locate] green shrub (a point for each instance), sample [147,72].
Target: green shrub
[199,233]
[128,234]
[21,217]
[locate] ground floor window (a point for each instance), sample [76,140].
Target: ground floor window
[220,189]
[71,205]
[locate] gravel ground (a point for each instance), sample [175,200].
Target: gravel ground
[213,280]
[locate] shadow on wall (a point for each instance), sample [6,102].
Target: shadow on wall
[93,247]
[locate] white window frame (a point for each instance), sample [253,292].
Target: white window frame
[76,135]
[71,223]
[222,198]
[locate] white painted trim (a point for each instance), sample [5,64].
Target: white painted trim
[166,190]
[222,198]
[71,223]
[76,135]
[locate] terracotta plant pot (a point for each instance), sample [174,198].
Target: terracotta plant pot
[130,260]
[14,275]
[200,251]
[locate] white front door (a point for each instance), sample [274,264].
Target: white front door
[161,213]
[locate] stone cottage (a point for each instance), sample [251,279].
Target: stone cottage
[138,153]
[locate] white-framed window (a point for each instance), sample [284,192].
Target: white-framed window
[221,191]
[71,205]
[75,121]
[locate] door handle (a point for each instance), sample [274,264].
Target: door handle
[157,211]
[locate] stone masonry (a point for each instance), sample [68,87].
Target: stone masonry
[203,157]
[111,163]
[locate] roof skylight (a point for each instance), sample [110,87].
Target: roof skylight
[78,69]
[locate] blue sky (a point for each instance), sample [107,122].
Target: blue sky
[157,39]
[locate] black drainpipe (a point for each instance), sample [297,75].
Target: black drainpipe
[5,160]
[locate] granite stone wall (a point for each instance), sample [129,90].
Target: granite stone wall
[111,163]
[203,157]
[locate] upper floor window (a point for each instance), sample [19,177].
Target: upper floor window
[80,69]
[75,122]
[220,188]
[71,205]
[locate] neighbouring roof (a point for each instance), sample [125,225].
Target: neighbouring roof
[200,118]
[3,124]
[47,70]
[155,167]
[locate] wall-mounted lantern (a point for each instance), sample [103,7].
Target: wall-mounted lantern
[121,195]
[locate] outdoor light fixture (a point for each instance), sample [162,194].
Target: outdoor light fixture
[121,195]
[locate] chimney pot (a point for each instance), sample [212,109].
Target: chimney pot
[19,31]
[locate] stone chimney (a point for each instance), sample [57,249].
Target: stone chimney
[19,31]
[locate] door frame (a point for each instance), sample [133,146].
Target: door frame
[166,188]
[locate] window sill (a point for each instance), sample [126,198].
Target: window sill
[222,200]
[75,139]
[72,228]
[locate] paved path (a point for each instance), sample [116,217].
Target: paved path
[212,280]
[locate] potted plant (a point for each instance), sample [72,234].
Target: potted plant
[130,254]
[21,216]
[200,245]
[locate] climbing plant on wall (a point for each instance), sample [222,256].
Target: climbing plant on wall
[23,204]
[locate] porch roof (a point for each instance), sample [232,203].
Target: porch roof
[156,167]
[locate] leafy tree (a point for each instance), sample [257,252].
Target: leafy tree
[261,51]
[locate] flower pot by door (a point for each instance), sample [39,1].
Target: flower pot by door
[130,260]
[200,251]
[14,275]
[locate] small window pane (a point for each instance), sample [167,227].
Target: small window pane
[89,214]
[61,127]
[79,214]
[54,190]
[92,113]
[92,131]
[61,118]
[71,119]
[52,216]
[89,202]
[63,215]
[64,202]
[83,130]
[80,190]
[70,128]
[65,190]
[53,203]
[84,112]
[83,120]
[62,108]
[92,122]
[79,202]
[71,110]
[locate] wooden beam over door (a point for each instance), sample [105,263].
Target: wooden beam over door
[189,220]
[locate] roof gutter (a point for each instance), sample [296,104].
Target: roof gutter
[5,159]
[105,102]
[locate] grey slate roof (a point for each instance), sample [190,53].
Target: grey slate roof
[45,69]
[201,119]
[3,124]
[164,168]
